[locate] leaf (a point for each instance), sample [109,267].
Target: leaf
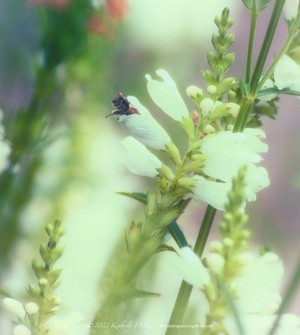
[139,196]
[269,109]
[248,4]
[262,4]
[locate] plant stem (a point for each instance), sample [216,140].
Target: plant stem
[186,289]
[266,46]
[251,42]
[289,294]
[293,32]
[248,100]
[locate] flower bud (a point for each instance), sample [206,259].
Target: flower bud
[21,330]
[212,89]
[14,306]
[31,308]
[207,106]
[208,129]
[194,92]
[215,262]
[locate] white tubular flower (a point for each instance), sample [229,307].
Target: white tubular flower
[144,127]
[14,306]
[257,289]
[166,96]
[290,9]
[258,299]
[225,153]
[138,159]
[21,330]
[287,74]
[191,268]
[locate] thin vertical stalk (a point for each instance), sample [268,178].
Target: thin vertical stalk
[186,289]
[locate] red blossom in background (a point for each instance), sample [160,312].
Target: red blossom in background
[98,26]
[117,9]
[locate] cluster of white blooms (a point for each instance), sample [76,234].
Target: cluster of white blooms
[256,297]
[223,152]
[26,312]
[17,309]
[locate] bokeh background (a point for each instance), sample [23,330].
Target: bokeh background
[79,54]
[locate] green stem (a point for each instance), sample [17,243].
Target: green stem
[266,46]
[186,289]
[293,32]
[251,43]
[289,294]
[248,100]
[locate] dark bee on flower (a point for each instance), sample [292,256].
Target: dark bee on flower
[123,106]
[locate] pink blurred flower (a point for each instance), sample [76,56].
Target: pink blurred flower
[117,9]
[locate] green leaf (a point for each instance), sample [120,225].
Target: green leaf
[262,4]
[177,234]
[268,109]
[139,196]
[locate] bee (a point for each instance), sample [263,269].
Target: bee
[123,106]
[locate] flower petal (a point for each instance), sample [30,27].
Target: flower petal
[166,96]
[191,268]
[144,127]
[258,287]
[287,74]
[211,192]
[138,159]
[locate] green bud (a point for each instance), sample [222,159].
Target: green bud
[173,151]
[194,92]
[193,167]
[166,172]
[151,203]
[186,183]
[225,85]
[167,216]
[188,126]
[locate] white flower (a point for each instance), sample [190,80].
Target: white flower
[258,299]
[21,330]
[144,127]
[257,289]
[225,153]
[290,9]
[191,268]
[65,326]
[14,306]
[287,74]
[166,96]
[138,159]
[207,105]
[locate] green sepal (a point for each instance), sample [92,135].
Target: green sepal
[151,203]
[164,247]
[135,293]
[139,196]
